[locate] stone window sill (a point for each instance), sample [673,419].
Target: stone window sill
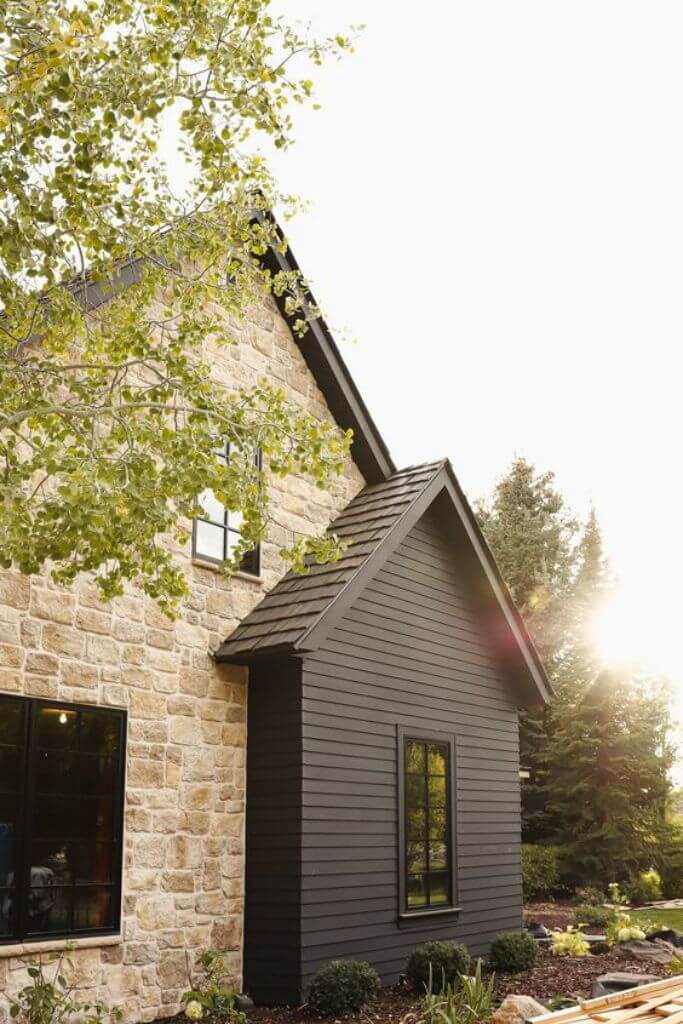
[215,566]
[57,945]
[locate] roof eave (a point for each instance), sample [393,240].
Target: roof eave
[527,648]
[327,365]
[534,685]
[224,656]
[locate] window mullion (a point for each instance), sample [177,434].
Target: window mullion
[24,853]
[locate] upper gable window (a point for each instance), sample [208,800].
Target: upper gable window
[61,819]
[217,533]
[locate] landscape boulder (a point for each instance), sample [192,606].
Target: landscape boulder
[619,981]
[640,949]
[667,935]
[517,1010]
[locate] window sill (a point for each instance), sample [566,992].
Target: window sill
[58,945]
[205,563]
[430,915]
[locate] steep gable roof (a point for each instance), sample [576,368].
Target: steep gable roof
[300,611]
[332,376]
[316,345]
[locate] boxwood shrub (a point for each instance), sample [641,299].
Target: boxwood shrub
[341,987]
[513,952]
[447,959]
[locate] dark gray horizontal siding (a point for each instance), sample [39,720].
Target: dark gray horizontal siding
[273,834]
[412,652]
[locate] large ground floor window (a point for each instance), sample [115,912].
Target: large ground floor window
[61,818]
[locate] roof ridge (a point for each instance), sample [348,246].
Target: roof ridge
[381,536]
[368,533]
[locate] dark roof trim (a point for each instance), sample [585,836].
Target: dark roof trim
[514,619]
[325,362]
[316,634]
[444,480]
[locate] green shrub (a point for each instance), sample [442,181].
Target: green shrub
[670,865]
[540,871]
[588,896]
[513,952]
[569,943]
[587,914]
[448,961]
[622,928]
[644,889]
[561,1003]
[210,999]
[49,997]
[341,987]
[468,1001]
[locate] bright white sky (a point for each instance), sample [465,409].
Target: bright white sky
[497,216]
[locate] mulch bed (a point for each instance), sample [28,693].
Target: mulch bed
[552,976]
[570,975]
[557,914]
[390,1007]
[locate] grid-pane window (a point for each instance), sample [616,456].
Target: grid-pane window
[427,824]
[217,532]
[61,818]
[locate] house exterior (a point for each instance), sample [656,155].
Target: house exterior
[329,761]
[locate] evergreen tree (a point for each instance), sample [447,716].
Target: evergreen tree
[607,778]
[535,542]
[599,754]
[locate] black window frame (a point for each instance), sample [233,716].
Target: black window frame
[22,934]
[250,558]
[405,913]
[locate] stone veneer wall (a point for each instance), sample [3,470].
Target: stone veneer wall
[184,819]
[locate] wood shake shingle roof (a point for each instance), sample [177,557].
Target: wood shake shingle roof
[297,603]
[301,610]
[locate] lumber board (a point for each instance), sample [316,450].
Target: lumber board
[658,1002]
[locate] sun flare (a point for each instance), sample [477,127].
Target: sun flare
[632,628]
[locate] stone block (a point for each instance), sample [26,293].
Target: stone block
[102,650]
[155,912]
[145,774]
[92,621]
[186,731]
[184,852]
[129,632]
[62,640]
[55,605]
[150,851]
[144,704]
[15,589]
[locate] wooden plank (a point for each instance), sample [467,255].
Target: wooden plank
[621,1016]
[668,988]
[631,995]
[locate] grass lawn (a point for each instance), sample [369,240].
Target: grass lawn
[664,918]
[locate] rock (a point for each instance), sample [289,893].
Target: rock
[658,952]
[619,981]
[516,1010]
[667,935]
